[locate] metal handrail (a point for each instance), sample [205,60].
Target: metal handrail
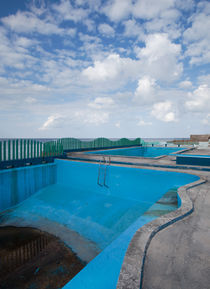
[106,163]
[99,171]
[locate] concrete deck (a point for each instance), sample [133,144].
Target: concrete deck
[179,255]
[172,252]
[165,161]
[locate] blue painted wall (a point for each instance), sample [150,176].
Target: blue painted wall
[16,185]
[193,160]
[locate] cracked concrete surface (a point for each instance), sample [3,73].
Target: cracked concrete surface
[179,255]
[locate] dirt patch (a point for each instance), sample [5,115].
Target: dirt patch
[33,259]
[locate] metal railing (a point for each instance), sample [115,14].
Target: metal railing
[103,162]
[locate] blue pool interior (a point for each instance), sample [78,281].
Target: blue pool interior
[96,221]
[149,152]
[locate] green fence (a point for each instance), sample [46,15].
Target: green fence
[76,144]
[18,149]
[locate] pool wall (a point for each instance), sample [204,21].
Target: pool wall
[16,185]
[193,160]
[125,182]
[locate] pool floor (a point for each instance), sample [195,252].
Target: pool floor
[90,231]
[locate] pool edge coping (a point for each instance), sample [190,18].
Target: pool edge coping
[132,269]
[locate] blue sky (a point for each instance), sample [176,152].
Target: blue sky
[118,68]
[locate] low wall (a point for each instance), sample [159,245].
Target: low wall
[193,160]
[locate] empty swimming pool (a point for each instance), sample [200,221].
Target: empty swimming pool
[96,215]
[149,152]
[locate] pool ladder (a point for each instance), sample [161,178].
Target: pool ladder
[106,163]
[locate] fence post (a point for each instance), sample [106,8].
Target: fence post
[4,149]
[13,149]
[17,149]
[8,150]
[0,150]
[21,149]
[28,148]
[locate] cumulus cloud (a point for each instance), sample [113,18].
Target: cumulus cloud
[206,120]
[101,103]
[199,99]
[145,92]
[67,12]
[160,57]
[27,22]
[51,122]
[112,67]
[197,37]
[118,124]
[106,29]
[30,99]
[164,111]
[118,9]
[148,9]
[144,123]
[133,29]
[167,22]
[186,84]
[93,117]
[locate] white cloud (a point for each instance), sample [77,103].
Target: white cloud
[67,12]
[117,10]
[92,117]
[117,124]
[144,123]
[164,111]
[145,92]
[197,37]
[111,68]
[185,84]
[160,58]
[186,5]
[25,42]
[30,99]
[101,103]
[167,22]
[91,26]
[199,99]
[27,22]
[133,29]
[106,29]
[52,122]
[148,9]
[206,120]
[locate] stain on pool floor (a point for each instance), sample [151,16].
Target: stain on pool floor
[33,259]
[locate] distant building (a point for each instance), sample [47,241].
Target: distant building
[199,137]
